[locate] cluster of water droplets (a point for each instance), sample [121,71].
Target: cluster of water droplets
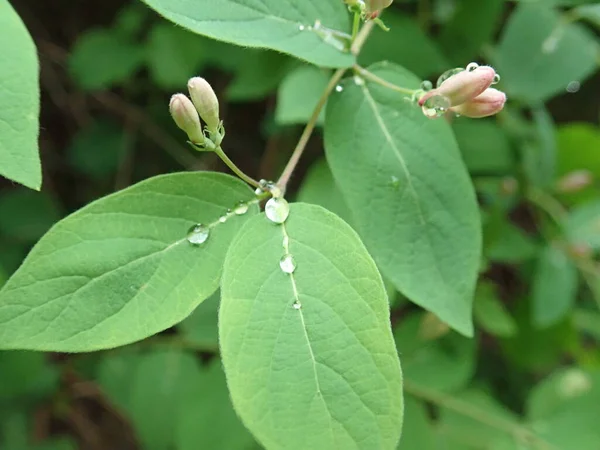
[198,234]
[337,39]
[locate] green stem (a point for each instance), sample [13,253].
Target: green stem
[548,204]
[355,25]
[310,126]
[476,413]
[375,79]
[235,169]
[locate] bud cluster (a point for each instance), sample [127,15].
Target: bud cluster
[204,105]
[466,92]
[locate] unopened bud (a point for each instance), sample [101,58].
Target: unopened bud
[490,102]
[575,181]
[463,86]
[374,6]
[186,117]
[206,102]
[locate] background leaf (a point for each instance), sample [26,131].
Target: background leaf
[121,268]
[321,375]
[267,24]
[296,103]
[20,100]
[404,180]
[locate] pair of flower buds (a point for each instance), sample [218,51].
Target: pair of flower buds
[187,113]
[468,93]
[370,8]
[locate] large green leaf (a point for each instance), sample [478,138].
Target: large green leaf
[409,192]
[582,226]
[309,356]
[121,269]
[537,62]
[301,29]
[19,100]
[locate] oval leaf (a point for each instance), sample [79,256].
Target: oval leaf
[409,192]
[121,269]
[302,29]
[20,100]
[321,375]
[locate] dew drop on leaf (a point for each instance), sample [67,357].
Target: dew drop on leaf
[394,182]
[297,305]
[301,27]
[241,209]
[198,234]
[287,264]
[339,88]
[277,210]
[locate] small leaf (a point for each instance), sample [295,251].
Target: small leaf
[411,197]
[20,100]
[200,328]
[296,102]
[102,58]
[301,30]
[121,269]
[539,62]
[582,226]
[309,356]
[490,313]
[554,287]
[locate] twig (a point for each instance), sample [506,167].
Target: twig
[374,78]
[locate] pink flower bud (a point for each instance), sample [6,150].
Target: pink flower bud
[463,86]
[186,117]
[490,102]
[374,6]
[575,181]
[206,102]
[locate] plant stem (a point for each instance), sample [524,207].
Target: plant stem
[375,79]
[476,413]
[361,37]
[310,126]
[235,169]
[548,204]
[355,25]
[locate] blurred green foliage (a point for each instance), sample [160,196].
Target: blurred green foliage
[530,379]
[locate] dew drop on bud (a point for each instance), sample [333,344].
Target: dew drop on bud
[436,106]
[447,74]
[277,210]
[287,264]
[472,66]
[426,85]
[496,79]
[198,234]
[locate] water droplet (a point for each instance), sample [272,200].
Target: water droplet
[258,191]
[241,209]
[573,87]
[301,27]
[287,264]
[394,181]
[286,242]
[426,85]
[359,81]
[339,88]
[496,79]
[436,106]
[472,66]
[198,234]
[447,74]
[274,189]
[223,219]
[277,210]
[297,305]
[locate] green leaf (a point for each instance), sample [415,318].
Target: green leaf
[591,13]
[208,419]
[121,269]
[405,44]
[484,146]
[102,58]
[564,409]
[582,226]
[20,100]
[26,374]
[507,243]
[200,328]
[490,313]
[299,94]
[539,62]
[540,154]
[152,390]
[96,150]
[554,287]
[578,145]
[417,430]
[446,364]
[301,30]
[404,180]
[309,357]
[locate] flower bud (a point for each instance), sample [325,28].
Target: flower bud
[575,181]
[206,102]
[463,86]
[186,117]
[490,102]
[374,6]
